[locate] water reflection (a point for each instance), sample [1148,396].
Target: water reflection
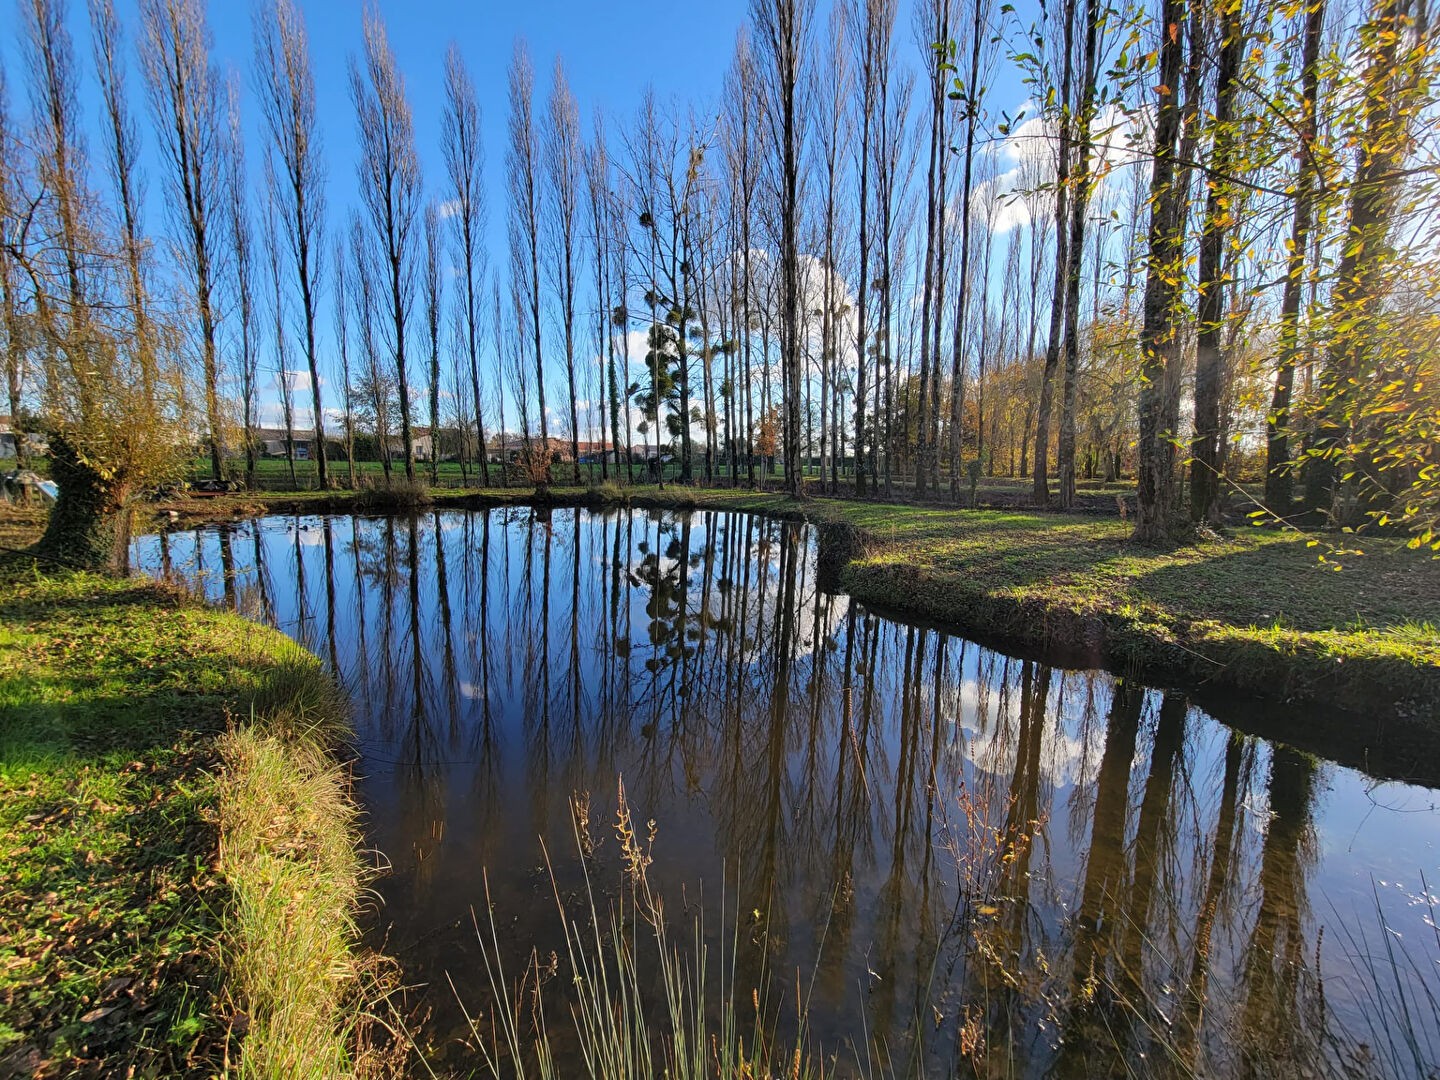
[970,856]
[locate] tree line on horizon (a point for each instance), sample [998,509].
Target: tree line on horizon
[1204,252]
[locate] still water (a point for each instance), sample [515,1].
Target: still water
[964,861]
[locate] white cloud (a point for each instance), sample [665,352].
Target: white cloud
[1028,156]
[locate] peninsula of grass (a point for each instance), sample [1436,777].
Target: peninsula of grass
[179,861]
[1256,611]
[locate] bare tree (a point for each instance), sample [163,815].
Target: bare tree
[123,146]
[1081,122]
[598,176]
[375,390]
[873,29]
[497,328]
[517,359]
[522,163]
[783,27]
[970,91]
[60,164]
[620,205]
[286,88]
[16,349]
[893,161]
[832,90]
[744,154]
[342,344]
[389,174]
[431,286]
[281,353]
[184,96]
[563,166]
[650,163]
[242,271]
[934,30]
[465,165]
[1061,98]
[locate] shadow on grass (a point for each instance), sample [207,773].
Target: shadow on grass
[110,898]
[1282,582]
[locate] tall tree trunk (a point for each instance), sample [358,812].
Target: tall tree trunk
[1279,473]
[1155,452]
[1210,361]
[972,100]
[862,291]
[1041,461]
[1074,249]
[1363,271]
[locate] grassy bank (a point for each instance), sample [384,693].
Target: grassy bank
[1256,611]
[179,867]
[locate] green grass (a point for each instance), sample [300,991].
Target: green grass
[273,475]
[1257,610]
[145,824]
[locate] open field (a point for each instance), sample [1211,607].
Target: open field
[273,475]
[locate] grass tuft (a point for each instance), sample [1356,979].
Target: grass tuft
[288,841]
[394,495]
[643,999]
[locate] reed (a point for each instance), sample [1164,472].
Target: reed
[704,1023]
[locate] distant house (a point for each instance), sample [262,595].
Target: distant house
[650,452]
[592,453]
[421,438]
[508,448]
[271,442]
[34,441]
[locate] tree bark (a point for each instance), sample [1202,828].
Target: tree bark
[1210,361]
[89,525]
[1279,474]
[1041,488]
[1155,452]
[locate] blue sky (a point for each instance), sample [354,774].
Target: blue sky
[611,51]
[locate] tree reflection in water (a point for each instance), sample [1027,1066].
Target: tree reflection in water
[964,854]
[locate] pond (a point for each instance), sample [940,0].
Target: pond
[941,856]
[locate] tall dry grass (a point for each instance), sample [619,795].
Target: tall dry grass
[290,853]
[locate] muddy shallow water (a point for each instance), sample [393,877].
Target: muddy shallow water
[973,862]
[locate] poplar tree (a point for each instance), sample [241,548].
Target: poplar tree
[185,100]
[782,27]
[285,85]
[523,172]
[461,142]
[389,175]
[563,168]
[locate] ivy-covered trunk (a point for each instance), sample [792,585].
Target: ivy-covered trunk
[89,526]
